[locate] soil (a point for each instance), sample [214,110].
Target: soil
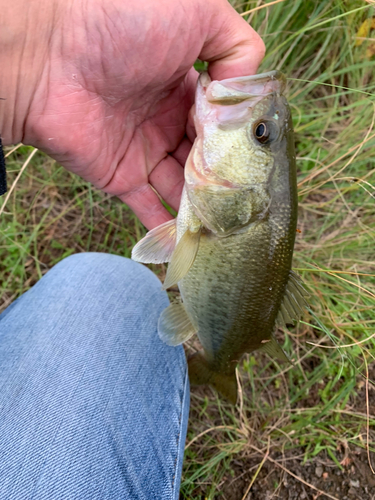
[354,482]
[284,476]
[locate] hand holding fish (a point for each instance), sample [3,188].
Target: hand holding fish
[105,86]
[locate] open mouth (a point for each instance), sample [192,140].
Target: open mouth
[243,88]
[231,102]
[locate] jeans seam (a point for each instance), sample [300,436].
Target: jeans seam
[177,460]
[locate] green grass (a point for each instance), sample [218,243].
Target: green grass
[317,408]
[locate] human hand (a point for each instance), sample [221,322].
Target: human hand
[105,87]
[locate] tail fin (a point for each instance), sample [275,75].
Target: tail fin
[200,373]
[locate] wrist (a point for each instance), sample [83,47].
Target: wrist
[25,36]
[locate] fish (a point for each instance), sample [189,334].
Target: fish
[230,247]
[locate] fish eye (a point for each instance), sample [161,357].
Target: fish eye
[265,131]
[261,133]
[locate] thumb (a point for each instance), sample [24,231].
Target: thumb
[232,47]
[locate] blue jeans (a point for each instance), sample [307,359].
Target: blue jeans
[93,406]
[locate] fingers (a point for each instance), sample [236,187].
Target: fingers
[168,180]
[147,206]
[232,47]
[182,152]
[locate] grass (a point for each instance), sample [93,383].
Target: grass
[321,409]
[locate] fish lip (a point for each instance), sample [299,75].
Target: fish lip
[272,75]
[239,89]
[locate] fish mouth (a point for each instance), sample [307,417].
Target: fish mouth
[243,88]
[231,102]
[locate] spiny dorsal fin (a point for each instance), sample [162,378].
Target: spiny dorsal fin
[273,349]
[158,245]
[175,326]
[182,258]
[294,301]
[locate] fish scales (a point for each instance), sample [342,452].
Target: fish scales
[230,248]
[243,294]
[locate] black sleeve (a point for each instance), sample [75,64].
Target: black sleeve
[3,176]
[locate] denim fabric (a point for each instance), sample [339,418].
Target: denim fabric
[92,404]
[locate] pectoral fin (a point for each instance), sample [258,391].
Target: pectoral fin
[158,245]
[175,326]
[182,258]
[273,349]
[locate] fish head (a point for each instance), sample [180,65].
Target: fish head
[241,157]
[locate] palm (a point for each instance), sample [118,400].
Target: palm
[117,117]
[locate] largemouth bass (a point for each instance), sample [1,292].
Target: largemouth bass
[230,248]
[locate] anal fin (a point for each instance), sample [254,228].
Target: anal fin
[158,245]
[175,326]
[182,258]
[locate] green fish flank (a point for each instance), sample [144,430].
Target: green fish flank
[235,230]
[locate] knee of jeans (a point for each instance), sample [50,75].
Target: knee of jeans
[111,294]
[103,270]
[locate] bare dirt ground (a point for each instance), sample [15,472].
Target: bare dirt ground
[354,482]
[255,474]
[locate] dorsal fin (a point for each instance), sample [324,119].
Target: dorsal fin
[158,245]
[294,301]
